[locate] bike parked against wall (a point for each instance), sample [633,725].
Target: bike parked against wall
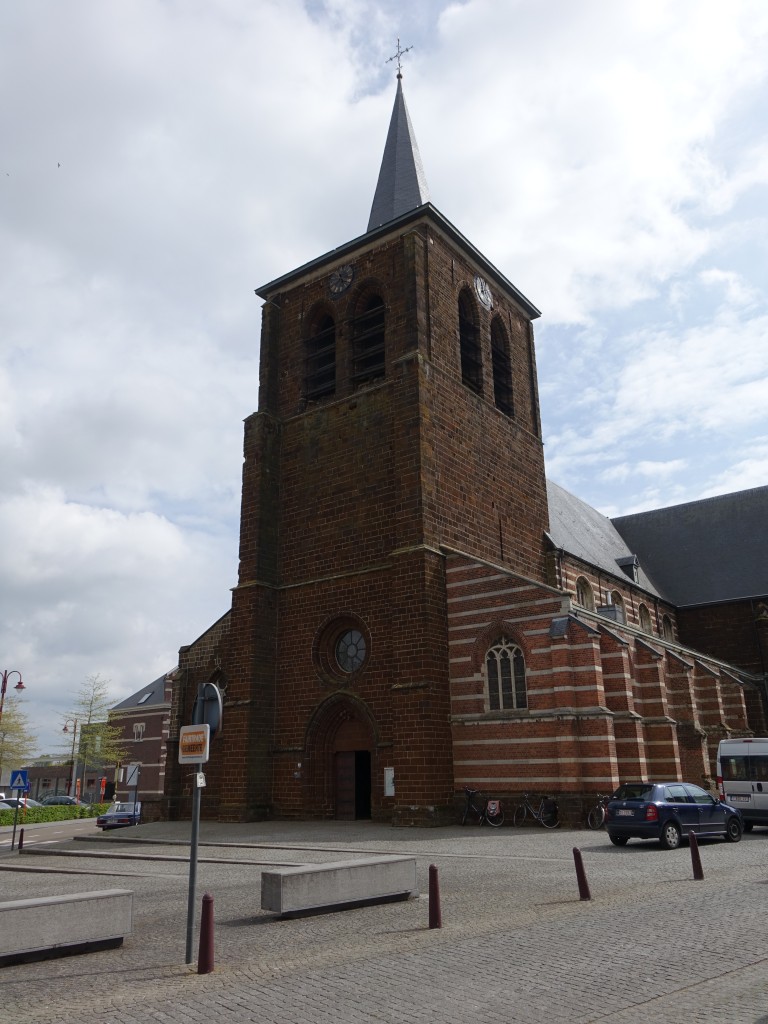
[596,816]
[546,813]
[482,809]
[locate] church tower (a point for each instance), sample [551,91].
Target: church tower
[397,424]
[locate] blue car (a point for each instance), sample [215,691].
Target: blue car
[120,814]
[668,812]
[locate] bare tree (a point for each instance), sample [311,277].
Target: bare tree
[100,742]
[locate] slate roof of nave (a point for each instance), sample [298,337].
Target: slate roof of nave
[704,552]
[588,535]
[700,552]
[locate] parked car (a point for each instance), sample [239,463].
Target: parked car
[119,814]
[20,802]
[668,812]
[59,799]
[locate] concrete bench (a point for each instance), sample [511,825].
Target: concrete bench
[34,928]
[338,884]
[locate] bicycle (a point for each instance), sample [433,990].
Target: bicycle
[546,813]
[596,816]
[490,811]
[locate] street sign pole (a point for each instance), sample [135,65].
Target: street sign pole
[193,865]
[20,783]
[193,748]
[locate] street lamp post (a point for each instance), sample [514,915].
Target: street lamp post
[19,686]
[73,773]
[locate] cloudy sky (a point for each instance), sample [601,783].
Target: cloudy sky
[159,159]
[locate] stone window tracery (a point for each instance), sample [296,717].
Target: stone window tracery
[505,676]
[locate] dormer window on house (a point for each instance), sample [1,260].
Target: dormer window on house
[502,368]
[368,342]
[321,360]
[471,360]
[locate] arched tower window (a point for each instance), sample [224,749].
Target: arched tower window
[584,594]
[667,629]
[645,619]
[471,362]
[505,676]
[502,368]
[321,360]
[368,342]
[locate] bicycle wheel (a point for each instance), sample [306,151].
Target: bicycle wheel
[520,814]
[596,817]
[549,814]
[497,819]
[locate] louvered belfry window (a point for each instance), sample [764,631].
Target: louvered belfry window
[321,360]
[471,363]
[502,369]
[368,342]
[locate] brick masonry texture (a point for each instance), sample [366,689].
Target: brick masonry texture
[412,510]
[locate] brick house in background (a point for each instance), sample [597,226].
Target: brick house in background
[418,609]
[144,720]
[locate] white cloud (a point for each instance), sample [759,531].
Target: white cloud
[161,160]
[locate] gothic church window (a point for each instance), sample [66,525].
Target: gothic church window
[584,594]
[502,368]
[645,619]
[667,630]
[471,361]
[505,676]
[368,342]
[321,360]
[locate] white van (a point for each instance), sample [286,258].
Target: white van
[742,778]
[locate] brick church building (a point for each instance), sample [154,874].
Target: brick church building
[417,608]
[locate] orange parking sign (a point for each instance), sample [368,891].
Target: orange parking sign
[194,743]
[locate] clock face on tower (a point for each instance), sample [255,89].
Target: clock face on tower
[483,291]
[340,280]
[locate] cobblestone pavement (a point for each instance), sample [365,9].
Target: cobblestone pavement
[517,944]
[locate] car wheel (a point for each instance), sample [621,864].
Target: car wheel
[619,840]
[733,830]
[670,836]
[748,826]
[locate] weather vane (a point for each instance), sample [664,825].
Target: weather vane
[397,57]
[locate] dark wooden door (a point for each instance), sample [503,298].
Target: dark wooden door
[344,768]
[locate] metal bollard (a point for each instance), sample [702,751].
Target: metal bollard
[698,871]
[435,917]
[581,875]
[205,953]
[21,840]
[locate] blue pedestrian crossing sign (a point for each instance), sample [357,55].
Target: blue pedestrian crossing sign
[20,779]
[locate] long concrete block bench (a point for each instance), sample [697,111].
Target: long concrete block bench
[336,885]
[34,928]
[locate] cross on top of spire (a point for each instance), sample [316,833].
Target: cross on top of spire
[397,57]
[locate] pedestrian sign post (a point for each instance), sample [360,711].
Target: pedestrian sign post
[20,779]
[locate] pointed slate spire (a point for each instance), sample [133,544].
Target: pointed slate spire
[402,185]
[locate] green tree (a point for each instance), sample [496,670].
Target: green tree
[100,742]
[17,741]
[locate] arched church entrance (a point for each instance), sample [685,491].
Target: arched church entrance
[340,748]
[352,771]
